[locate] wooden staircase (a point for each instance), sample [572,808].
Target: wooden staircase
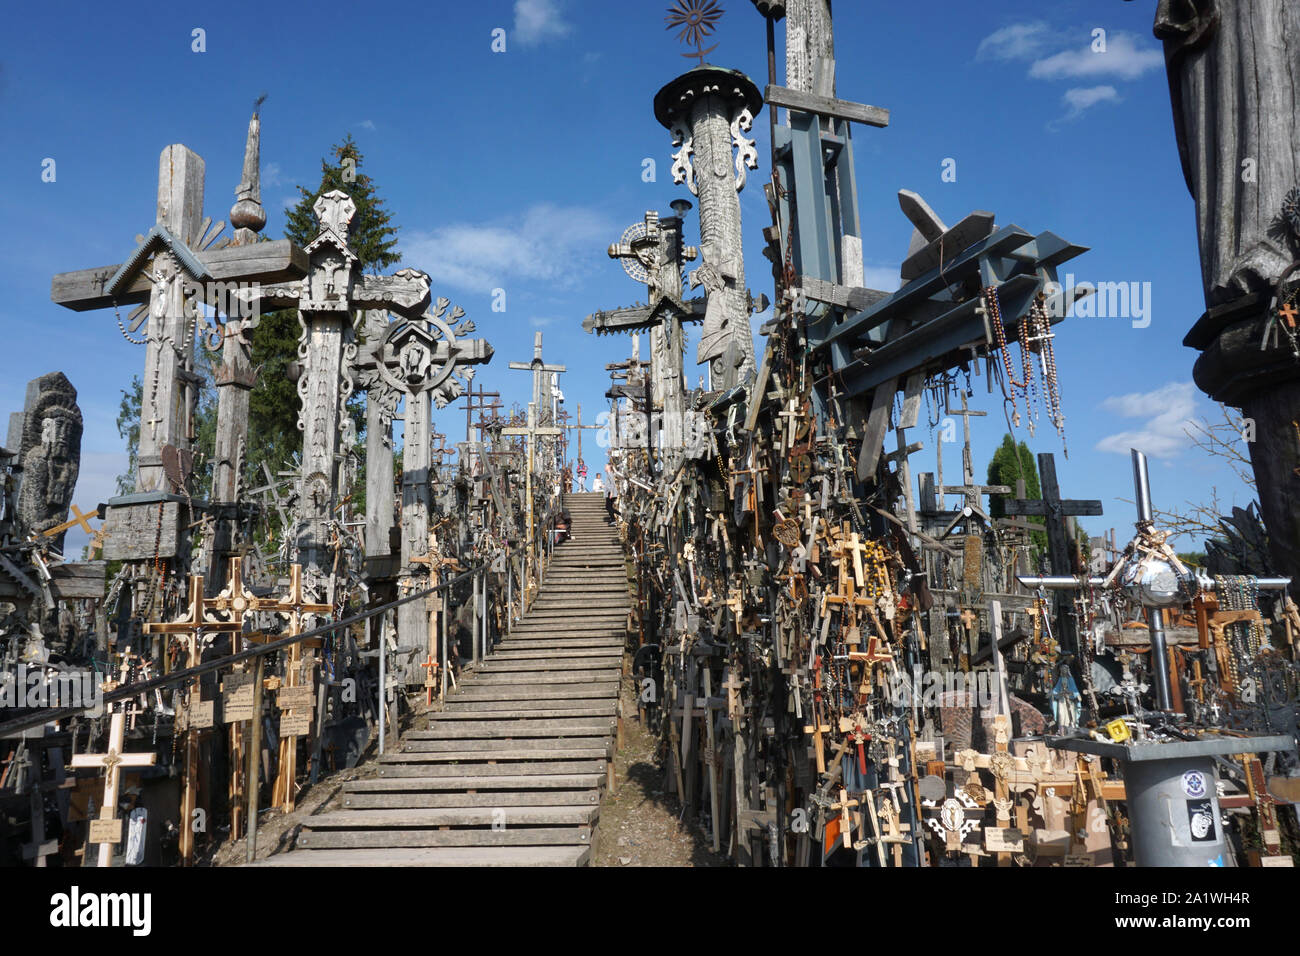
[510,772]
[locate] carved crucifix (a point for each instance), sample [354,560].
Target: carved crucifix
[107,830]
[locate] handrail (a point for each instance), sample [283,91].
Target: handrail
[181,676]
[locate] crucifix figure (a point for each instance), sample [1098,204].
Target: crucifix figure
[1054,510]
[112,762]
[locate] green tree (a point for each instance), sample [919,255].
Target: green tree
[1011,463]
[128,428]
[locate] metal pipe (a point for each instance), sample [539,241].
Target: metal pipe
[1141,485]
[383,678]
[473,620]
[1155,615]
[1065,583]
[254,762]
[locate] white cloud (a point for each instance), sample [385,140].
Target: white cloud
[539,322]
[1061,56]
[537,21]
[272,175]
[367,124]
[544,244]
[1081,99]
[1019,41]
[1123,58]
[1168,412]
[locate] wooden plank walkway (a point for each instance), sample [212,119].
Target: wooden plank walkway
[510,772]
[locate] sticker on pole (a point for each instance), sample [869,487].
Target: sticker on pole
[1194,784]
[1200,821]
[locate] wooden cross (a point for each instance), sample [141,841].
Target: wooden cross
[293,606]
[191,626]
[77,519]
[1053,509]
[1289,315]
[109,834]
[539,368]
[845,825]
[532,432]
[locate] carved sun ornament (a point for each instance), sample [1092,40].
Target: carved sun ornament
[421,354]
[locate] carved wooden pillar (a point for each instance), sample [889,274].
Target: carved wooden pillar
[707,110]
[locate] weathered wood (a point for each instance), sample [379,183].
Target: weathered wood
[508,836]
[437,856]
[394,801]
[84,579]
[780,96]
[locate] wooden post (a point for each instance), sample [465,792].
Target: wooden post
[254,759]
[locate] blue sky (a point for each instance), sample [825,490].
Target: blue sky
[517,169]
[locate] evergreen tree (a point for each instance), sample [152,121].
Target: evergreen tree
[1011,463]
[128,428]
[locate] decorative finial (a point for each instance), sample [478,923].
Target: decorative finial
[247,215]
[697,19]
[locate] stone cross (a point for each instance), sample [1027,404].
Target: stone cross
[708,110]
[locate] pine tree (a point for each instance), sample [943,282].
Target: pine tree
[1011,463]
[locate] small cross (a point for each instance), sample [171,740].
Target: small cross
[1289,315]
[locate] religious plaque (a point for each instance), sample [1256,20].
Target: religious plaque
[237,697]
[295,724]
[105,831]
[293,698]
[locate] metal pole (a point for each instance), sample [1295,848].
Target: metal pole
[1155,616]
[473,625]
[445,598]
[254,761]
[383,677]
[482,615]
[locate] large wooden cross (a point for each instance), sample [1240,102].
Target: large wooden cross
[1054,510]
[192,625]
[176,265]
[531,433]
[333,290]
[540,370]
[110,827]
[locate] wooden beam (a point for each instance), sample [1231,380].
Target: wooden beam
[825,106]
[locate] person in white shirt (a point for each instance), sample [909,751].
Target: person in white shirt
[597,484]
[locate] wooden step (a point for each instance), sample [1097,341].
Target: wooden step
[539,781]
[437,856]
[513,690]
[479,837]
[530,798]
[520,751]
[590,709]
[502,768]
[453,817]
[473,727]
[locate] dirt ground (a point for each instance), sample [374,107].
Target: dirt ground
[640,824]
